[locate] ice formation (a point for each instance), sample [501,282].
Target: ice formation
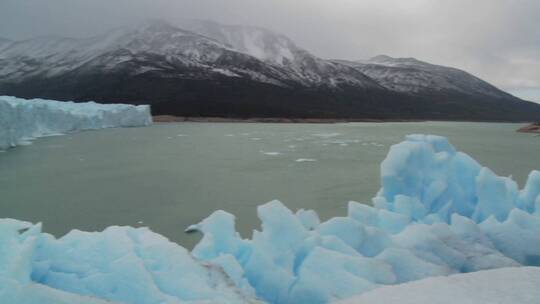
[438,213]
[120,264]
[22,120]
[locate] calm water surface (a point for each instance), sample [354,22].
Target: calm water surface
[169,176]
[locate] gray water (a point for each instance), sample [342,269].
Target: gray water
[169,176]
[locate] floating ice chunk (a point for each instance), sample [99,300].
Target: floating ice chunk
[22,120]
[304,160]
[191,228]
[326,135]
[271,153]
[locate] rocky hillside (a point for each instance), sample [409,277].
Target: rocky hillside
[208,69]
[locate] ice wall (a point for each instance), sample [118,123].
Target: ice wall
[22,120]
[438,213]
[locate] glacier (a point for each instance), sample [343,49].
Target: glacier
[438,213]
[22,120]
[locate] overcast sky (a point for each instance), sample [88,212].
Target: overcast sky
[497,40]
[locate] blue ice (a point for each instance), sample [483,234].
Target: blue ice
[438,212]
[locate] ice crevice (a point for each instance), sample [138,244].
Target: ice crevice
[438,213]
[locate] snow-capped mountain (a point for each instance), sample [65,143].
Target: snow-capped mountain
[208,69]
[412,76]
[157,46]
[152,47]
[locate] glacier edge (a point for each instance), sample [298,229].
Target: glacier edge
[22,120]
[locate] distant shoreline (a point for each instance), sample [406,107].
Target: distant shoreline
[172,118]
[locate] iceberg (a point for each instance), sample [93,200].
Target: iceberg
[22,120]
[438,213]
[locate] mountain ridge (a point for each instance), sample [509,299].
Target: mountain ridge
[423,76]
[209,69]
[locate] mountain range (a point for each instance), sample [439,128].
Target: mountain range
[203,68]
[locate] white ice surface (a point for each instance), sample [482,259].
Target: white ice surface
[499,286]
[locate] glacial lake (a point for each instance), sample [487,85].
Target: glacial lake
[171,175]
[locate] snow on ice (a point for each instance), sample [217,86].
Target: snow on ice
[438,213]
[22,120]
[505,285]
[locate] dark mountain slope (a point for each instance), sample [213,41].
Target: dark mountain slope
[234,71]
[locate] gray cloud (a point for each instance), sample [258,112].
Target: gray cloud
[497,40]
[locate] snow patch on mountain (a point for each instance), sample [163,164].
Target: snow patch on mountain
[255,41]
[410,75]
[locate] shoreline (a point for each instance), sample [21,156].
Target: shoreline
[172,119]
